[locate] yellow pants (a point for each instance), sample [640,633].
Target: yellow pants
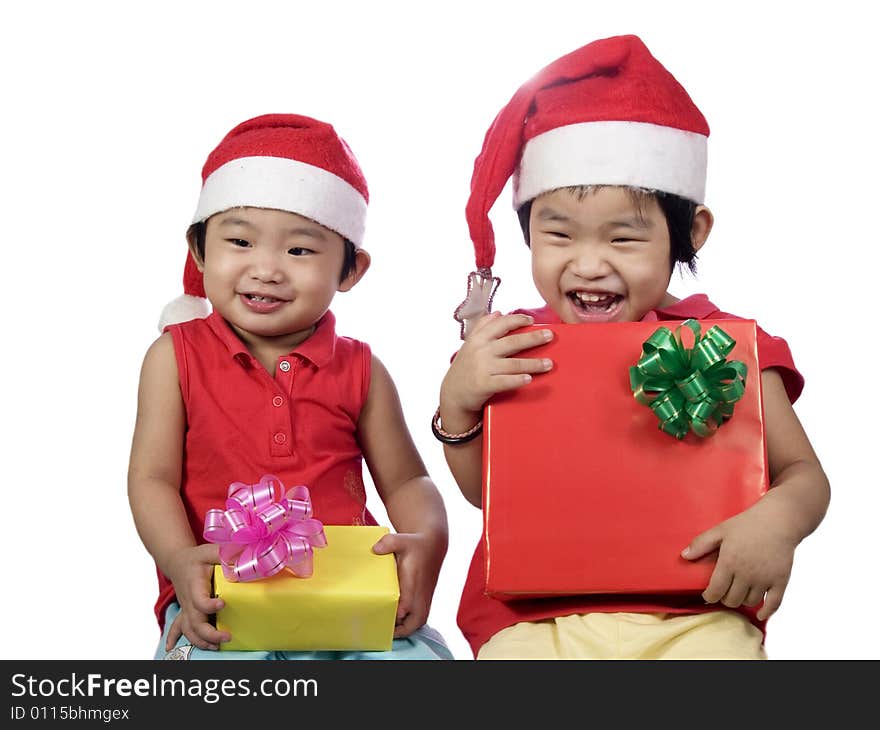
[713,635]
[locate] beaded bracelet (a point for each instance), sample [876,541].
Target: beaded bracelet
[454,438]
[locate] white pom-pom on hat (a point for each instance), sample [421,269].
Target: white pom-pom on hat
[183,309]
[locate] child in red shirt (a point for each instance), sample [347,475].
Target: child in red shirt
[608,156]
[263,385]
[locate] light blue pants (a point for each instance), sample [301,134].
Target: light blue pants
[426,643]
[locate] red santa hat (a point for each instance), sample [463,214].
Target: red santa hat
[284,162]
[606,114]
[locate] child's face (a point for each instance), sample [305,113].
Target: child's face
[600,257]
[270,273]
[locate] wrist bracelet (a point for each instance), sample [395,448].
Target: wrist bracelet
[454,438]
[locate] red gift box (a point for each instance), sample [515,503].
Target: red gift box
[583,493]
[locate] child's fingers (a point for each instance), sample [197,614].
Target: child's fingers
[736,594]
[210,636]
[719,584]
[202,635]
[502,383]
[207,553]
[204,603]
[200,643]
[497,325]
[390,543]
[403,607]
[755,596]
[703,544]
[518,365]
[479,323]
[412,621]
[200,595]
[174,633]
[512,344]
[771,602]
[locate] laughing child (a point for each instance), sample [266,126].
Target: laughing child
[608,155]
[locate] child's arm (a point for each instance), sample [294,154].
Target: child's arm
[756,548]
[154,494]
[482,368]
[411,499]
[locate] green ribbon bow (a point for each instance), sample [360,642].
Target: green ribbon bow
[689,389]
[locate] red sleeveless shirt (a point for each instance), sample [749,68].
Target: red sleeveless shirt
[299,423]
[480,617]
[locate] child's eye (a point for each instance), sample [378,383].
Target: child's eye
[299,251]
[558,235]
[624,240]
[240,242]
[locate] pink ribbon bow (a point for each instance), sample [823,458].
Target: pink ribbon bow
[260,535]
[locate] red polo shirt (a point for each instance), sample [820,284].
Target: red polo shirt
[298,423]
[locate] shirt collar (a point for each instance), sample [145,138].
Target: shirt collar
[696,306]
[318,348]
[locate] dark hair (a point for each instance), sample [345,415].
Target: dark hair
[196,235]
[678,211]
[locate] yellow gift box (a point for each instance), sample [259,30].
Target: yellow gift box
[348,604]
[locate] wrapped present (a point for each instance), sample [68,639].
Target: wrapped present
[597,474]
[279,593]
[348,603]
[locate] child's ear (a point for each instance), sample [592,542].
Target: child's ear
[361,264]
[702,226]
[194,248]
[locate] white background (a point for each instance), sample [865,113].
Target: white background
[109,110]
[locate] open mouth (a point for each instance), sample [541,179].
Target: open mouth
[595,302]
[259,298]
[261,303]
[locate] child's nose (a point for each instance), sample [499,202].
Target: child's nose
[590,261]
[265,266]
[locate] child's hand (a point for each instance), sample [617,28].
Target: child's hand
[190,572]
[419,556]
[483,366]
[755,555]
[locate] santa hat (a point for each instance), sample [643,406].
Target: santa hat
[606,114]
[284,162]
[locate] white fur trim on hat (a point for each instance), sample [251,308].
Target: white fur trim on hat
[183,309]
[284,184]
[632,154]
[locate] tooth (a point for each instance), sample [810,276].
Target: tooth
[591,298]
